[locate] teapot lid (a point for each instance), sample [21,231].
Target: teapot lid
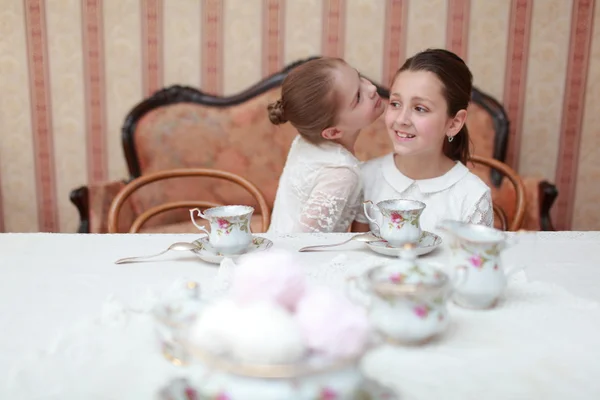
[407,275]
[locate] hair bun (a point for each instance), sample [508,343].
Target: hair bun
[276,115]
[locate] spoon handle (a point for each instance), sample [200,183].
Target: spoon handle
[133,259]
[321,246]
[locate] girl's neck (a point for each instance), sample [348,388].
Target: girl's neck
[348,141]
[419,167]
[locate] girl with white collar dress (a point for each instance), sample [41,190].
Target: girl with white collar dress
[425,120]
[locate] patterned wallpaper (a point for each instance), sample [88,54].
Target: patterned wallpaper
[70,70]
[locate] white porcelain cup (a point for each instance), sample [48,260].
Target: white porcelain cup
[229,227]
[399,220]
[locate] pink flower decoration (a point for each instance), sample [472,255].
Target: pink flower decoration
[421,311]
[397,278]
[272,276]
[496,266]
[223,223]
[222,396]
[396,217]
[477,261]
[332,324]
[327,394]
[191,394]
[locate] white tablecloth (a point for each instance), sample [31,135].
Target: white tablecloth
[68,316]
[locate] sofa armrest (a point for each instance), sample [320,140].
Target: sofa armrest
[93,203]
[80,198]
[547,194]
[540,196]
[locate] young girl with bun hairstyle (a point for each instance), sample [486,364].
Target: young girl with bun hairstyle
[328,102]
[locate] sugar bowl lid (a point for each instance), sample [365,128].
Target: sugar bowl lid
[407,275]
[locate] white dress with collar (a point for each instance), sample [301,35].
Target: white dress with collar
[319,189]
[458,194]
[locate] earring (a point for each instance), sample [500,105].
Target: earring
[450,139]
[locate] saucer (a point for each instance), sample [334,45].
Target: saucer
[207,253]
[427,243]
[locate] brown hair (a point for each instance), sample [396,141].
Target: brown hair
[308,98]
[457,82]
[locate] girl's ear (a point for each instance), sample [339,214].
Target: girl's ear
[331,133]
[457,123]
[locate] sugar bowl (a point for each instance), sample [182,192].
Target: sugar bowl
[407,298]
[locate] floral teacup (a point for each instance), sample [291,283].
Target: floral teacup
[478,249]
[399,220]
[407,299]
[229,228]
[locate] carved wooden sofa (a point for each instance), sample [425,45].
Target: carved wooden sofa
[181,127]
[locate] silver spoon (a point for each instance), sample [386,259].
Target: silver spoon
[361,237]
[181,246]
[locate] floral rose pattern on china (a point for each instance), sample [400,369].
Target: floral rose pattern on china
[225,226]
[421,310]
[327,394]
[478,259]
[398,219]
[258,241]
[397,278]
[413,272]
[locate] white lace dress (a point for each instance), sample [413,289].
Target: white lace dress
[319,189]
[458,194]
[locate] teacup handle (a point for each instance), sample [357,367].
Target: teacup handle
[370,203]
[194,221]
[354,286]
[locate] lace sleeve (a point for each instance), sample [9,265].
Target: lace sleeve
[324,209]
[484,212]
[360,213]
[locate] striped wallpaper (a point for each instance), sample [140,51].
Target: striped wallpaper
[70,70]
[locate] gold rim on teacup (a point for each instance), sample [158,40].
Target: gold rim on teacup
[416,204]
[221,211]
[270,371]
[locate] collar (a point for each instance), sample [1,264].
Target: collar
[401,182]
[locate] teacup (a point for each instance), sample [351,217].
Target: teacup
[478,248]
[407,299]
[399,220]
[229,227]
